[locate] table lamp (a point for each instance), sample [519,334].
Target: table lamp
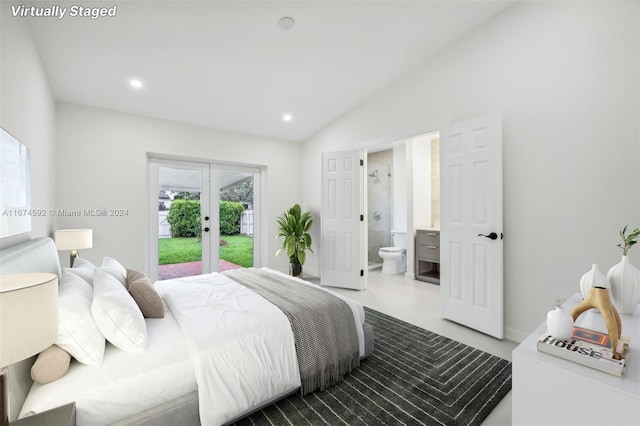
[73,239]
[28,322]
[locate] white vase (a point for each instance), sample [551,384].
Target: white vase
[593,278]
[559,323]
[625,286]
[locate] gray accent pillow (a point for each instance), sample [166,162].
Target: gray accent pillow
[146,297]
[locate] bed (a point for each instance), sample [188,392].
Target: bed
[198,362]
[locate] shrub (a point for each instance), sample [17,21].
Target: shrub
[184,218]
[230,214]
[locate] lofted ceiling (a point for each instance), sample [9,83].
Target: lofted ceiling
[229,65]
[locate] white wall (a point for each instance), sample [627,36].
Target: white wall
[102,163]
[566,77]
[27,111]
[421,187]
[399,188]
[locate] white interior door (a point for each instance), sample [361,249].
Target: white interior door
[343,255]
[471,224]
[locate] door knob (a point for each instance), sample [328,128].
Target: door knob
[492,236]
[206,218]
[206,229]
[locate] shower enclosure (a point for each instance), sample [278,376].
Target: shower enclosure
[379,207]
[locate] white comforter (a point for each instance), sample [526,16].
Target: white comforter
[242,345]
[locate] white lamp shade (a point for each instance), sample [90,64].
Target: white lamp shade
[28,315]
[74,239]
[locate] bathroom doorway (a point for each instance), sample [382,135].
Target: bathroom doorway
[379,205]
[403,194]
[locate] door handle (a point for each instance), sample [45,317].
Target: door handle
[206,229]
[491,236]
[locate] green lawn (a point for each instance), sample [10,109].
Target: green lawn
[238,250]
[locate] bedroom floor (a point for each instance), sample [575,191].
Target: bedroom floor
[418,303]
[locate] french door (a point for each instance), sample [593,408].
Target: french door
[186,231]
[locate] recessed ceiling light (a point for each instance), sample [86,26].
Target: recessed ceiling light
[287,117]
[135,83]
[286,23]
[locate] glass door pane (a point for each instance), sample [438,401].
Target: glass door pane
[182,225]
[236,220]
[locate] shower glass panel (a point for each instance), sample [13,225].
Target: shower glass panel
[379,206]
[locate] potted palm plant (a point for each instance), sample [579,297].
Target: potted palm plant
[294,226]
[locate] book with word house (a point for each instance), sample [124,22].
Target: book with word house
[590,348]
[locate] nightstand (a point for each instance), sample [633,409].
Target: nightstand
[64,415]
[553,391]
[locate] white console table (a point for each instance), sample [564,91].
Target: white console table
[552,391]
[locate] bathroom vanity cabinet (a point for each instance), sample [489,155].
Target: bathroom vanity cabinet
[428,255]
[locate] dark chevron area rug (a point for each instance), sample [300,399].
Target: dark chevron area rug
[414,377]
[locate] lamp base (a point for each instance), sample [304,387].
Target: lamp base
[72,257]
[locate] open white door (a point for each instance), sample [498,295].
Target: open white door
[471,224]
[343,261]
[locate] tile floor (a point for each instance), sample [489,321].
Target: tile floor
[418,303]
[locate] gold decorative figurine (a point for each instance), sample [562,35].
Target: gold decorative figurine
[600,299]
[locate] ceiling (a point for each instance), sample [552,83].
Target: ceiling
[229,65]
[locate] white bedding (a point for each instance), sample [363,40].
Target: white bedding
[127,383]
[217,337]
[243,347]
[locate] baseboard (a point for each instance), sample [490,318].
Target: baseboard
[515,335]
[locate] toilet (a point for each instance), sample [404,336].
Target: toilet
[394,259]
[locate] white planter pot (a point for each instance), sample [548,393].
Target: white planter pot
[625,286]
[593,278]
[559,324]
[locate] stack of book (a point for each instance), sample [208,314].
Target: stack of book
[590,348]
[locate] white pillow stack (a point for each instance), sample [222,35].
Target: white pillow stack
[82,268]
[116,313]
[114,267]
[93,304]
[78,333]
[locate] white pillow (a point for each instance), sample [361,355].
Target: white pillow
[83,268]
[114,267]
[78,333]
[116,313]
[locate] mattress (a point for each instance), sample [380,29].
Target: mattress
[127,383]
[131,383]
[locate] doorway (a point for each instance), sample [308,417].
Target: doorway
[379,200]
[203,217]
[407,200]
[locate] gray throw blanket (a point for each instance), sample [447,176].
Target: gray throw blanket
[324,330]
